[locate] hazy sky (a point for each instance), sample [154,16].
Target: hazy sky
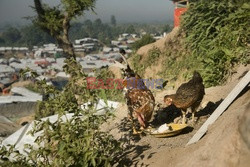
[12,11]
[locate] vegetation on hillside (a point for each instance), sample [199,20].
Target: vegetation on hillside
[152,59]
[218,34]
[214,37]
[146,39]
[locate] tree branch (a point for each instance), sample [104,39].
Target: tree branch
[39,9]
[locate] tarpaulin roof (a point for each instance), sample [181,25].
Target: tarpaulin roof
[22,137]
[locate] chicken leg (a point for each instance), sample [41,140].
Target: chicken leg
[193,111]
[135,132]
[193,116]
[183,116]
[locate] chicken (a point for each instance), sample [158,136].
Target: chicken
[188,95]
[140,104]
[139,98]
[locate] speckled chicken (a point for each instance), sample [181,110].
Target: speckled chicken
[139,98]
[189,94]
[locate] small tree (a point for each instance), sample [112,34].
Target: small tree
[77,141]
[56,20]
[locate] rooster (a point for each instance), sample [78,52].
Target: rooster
[189,94]
[139,98]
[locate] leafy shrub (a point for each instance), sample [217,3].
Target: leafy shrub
[214,37]
[153,56]
[138,67]
[114,94]
[218,34]
[75,142]
[178,64]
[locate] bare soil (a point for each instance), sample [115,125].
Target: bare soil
[222,146]
[160,44]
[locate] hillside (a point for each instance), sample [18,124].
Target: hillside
[171,49]
[166,58]
[209,41]
[215,43]
[222,146]
[213,39]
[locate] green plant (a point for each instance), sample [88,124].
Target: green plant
[153,56]
[137,66]
[218,34]
[76,141]
[114,93]
[178,64]
[140,66]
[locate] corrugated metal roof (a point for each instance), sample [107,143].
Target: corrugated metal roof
[18,66]
[21,137]
[3,61]
[26,96]
[94,64]
[6,69]
[60,61]
[25,92]
[5,81]
[56,66]
[12,99]
[62,74]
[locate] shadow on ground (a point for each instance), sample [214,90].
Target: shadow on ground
[134,154]
[137,156]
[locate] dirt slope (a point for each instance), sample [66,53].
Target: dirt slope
[161,43]
[222,146]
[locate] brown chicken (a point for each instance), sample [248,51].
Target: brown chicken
[189,94]
[139,98]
